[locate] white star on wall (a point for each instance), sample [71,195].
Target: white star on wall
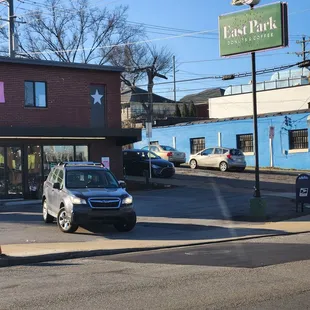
[97,97]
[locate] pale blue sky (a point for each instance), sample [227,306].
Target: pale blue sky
[199,55]
[198,15]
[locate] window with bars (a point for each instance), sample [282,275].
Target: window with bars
[245,143]
[197,145]
[298,139]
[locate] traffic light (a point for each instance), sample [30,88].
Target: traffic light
[288,121]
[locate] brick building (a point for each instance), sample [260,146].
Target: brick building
[52,112]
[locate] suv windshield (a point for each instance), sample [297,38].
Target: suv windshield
[90,179]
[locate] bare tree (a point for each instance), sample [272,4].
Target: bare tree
[130,57]
[160,63]
[142,62]
[74,32]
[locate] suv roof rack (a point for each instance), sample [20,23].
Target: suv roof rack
[80,163]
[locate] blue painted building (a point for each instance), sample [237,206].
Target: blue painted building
[289,148]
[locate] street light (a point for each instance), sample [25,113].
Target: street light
[244,2]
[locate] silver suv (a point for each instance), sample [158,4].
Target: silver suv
[81,192]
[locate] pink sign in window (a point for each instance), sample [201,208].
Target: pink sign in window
[2,99]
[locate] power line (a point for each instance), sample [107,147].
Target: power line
[231,58]
[117,45]
[146,25]
[238,75]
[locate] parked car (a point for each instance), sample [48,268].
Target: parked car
[219,157]
[168,153]
[78,193]
[136,162]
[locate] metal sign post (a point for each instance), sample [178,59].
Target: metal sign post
[257,185]
[271,136]
[148,126]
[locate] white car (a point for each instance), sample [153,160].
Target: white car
[219,157]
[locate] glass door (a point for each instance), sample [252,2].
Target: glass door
[2,172]
[14,170]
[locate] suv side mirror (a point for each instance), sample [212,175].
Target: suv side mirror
[122,184]
[56,185]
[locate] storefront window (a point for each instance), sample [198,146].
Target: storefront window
[54,154]
[81,153]
[34,169]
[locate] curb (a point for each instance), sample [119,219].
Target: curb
[10,261]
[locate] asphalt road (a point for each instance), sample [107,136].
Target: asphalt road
[270,273]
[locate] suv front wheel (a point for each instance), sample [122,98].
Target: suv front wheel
[64,222]
[126,225]
[46,217]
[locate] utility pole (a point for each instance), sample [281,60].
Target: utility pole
[304,46]
[174,82]
[151,72]
[11,19]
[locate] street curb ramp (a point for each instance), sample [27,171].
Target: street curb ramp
[10,261]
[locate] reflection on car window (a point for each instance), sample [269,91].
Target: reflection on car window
[154,149]
[60,177]
[168,148]
[53,175]
[146,155]
[236,152]
[218,151]
[207,152]
[90,179]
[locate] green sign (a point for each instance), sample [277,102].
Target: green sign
[262,28]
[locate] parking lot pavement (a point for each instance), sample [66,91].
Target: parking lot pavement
[275,181]
[181,213]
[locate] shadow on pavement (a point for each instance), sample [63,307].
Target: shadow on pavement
[232,254]
[174,231]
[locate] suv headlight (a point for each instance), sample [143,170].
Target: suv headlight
[77,200]
[127,201]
